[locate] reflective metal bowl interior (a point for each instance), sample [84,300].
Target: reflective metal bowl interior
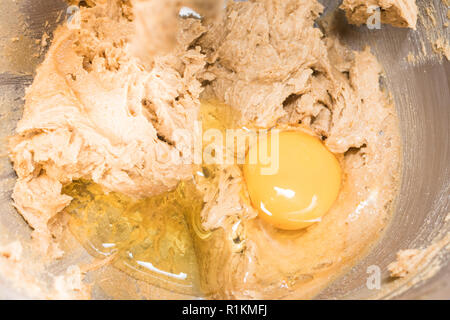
[422,96]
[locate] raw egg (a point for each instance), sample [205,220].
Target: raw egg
[299,183]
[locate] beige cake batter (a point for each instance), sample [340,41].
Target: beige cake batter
[106,107]
[399,13]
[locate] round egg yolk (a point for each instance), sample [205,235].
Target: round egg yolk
[298,185]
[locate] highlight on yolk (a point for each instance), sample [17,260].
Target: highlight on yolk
[302,189]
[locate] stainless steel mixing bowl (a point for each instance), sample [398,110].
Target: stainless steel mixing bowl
[421,92]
